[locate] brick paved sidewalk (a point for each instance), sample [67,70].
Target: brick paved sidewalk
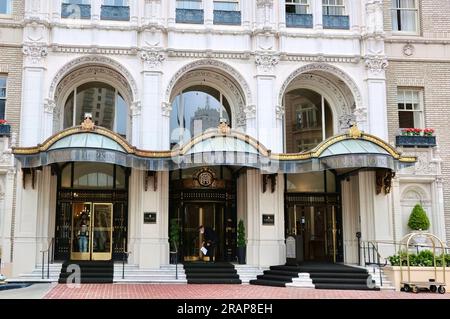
[156,291]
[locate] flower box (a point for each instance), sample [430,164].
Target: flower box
[418,141]
[5,130]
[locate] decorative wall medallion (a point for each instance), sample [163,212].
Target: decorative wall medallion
[205,177]
[266,61]
[408,49]
[152,57]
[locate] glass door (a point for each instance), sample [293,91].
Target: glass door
[102,232]
[81,231]
[91,231]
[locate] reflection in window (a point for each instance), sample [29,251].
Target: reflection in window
[5,6]
[189,4]
[195,110]
[297,6]
[105,103]
[3,80]
[309,120]
[404,15]
[410,108]
[93,176]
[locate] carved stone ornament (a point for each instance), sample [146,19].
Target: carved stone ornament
[264,3]
[279,111]
[376,64]
[408,49]
[383,180]
[152,57]
[266,61]
[35,52]
[49,106]
[250,111]
[87,124]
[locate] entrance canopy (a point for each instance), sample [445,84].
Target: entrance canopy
[222,146]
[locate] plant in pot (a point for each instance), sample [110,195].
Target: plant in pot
[174,239]
[241,242]
[418,221]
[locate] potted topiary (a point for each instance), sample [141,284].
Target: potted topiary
[174,239]
[418,222]
[241,242]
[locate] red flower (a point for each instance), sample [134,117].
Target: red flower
[3,122]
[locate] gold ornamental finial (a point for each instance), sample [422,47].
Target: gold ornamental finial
[87,124]
[354,131]
[224,128]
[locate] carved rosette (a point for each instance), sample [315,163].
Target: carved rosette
[35,52]
[152,57]
[408,49]
[266,61]
[376,64]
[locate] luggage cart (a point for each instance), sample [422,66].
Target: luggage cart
[433,284]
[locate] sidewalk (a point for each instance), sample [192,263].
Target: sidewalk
[160,291]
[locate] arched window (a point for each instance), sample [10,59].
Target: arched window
[309,120]
[195,110]
[105,103]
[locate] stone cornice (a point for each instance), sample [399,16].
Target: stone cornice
[208,54]
[320,58]
[93,50]
[416,40]
[320,35]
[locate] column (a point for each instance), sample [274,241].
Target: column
[7,216]
[376,85]
[208,10]
[355,12]
[136,115]
[437,193]
[317,15]
[151,111]
[396,197]
[350,218]
[281,14]
[31,130]
[56,10]
[246,11]
[134,11]
[96,9]
[172,12]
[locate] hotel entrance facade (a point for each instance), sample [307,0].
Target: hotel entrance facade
[173,124]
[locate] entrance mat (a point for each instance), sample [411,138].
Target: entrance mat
[323,276]
[211,273]
[92,272]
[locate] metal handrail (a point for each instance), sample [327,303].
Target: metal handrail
[373,257]
[176,262]
[49,251]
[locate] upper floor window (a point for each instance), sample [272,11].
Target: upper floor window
[76,9]
[5,6]
[297,6]
[333,7]
[226,5]
[117,10]
[189,4]
[404,15]
[189,11]
[3,80]
[105,103]
[410,108]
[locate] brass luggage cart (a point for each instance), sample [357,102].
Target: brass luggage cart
[434,284]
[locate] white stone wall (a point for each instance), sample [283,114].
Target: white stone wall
[152,52]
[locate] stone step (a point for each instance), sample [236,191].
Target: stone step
[302,281]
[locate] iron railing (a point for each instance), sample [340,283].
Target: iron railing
[50,252]
[227,17]
[372,257]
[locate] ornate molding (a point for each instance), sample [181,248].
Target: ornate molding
[345,122]
[376,63]
[93,60]
[209,63]
[49,106]
[35,52]
[152,57]
[425,165]
[136,108]
[279,111]
[266,61]
[92,50]
[250,111]
[209,54]
[166,108]
[360,114]
[322,58]
[264,3]
[325,68]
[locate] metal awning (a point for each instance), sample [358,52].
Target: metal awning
[222,146]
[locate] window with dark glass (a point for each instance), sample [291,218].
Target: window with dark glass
[3,81]
[308,118]
[195,110]
[404,15]
[110,111]
[76,9]
[410,108]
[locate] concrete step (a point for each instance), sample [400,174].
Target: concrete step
[302,281]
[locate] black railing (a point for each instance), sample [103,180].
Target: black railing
[175,254]
[49,251]
[412,141]
[372,257]
[125,256]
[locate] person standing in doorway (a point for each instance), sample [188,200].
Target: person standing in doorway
[83,234]
[209,241]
